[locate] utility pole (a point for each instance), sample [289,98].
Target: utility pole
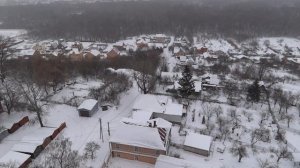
[101,131]
[108,129]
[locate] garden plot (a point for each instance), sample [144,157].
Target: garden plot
[245,120]
[78,92]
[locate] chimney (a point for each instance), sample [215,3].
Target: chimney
[154,124]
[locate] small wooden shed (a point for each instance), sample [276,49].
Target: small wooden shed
[88,108]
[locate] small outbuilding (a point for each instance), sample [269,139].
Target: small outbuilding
[88,108]
[198,143]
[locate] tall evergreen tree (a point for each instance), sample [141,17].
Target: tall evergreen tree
[254,92]
[186,83]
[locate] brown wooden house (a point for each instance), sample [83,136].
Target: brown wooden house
[113,53]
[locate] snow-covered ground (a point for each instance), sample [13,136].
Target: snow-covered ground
[10,33]
[80,130]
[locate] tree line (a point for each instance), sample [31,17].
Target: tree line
[109,21]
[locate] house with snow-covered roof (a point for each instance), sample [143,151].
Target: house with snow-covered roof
[140,143]
[198,143]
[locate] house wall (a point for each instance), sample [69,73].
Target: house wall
[135,153]
[84,113]
[198,151]
[76,57]
[112,54]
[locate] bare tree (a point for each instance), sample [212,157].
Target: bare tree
[260,134]
[208,110]
[282,152]
[59,154]
[262,69]
[9,165]
[110,91]
[249,116]
[239,150]
[209,127]
[218,110]
[263,117]
[10,95]
[33,95]
[145,82]
[290,118]
[146,69]
[90,149]
[298,109]
[5,53]
[265,164]
[225,131]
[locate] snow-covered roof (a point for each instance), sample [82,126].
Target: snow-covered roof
[174,109]
[161,123]
[198,86]
[27,52]
[25,147]
[151,103]
[170,75]
[146,137]
[160,35]
[183,58]
[88,104]
[296,157]
[14,157]
[38,136]
[171,162]
[198,141]
[95,52]
[133,121]
[141,115]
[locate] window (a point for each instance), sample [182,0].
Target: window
[136,158]
[118,155]
[136,149]
[157,152]
[117,146]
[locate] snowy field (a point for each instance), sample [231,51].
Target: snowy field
[9,33]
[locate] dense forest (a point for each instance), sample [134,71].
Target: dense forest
[109,21]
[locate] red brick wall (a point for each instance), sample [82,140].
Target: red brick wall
[141,154]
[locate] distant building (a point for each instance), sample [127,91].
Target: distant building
[140,143]
[198,143]
[88,108]
[113,53]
